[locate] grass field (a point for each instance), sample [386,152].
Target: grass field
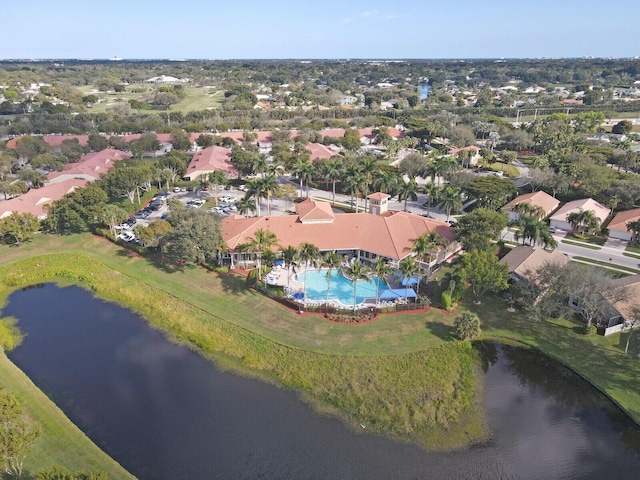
[382,365]
[197,98]
[61,442]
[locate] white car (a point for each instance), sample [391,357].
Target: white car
[126,236]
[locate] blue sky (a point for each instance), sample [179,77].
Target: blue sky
[320,29]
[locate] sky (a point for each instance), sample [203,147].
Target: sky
[215,29]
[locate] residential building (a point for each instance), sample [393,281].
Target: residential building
[540,199]
[618,226]
[209,160]
[523,261]
[559,219]
[90,166]
[36,199]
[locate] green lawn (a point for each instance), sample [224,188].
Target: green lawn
[607,264]
[594,239]
[578,244]
[61,442]
[197,98]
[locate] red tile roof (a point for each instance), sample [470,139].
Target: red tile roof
[35,199]
[320,151]
[210,159]
[90,166]
[388,235]
[620,221]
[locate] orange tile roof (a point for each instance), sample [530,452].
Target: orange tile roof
[320,152]
[378,196]
[535,199]
[34,200]
[620,221]
[312,211]
[388,235]
[210,159]
[54,140]
[90,166]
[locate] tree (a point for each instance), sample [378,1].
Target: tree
[333,172]
[585,220]
[270,186]
[451,201]
[33,177]
[262,240]
[351,139]
[97,142]
[309,255]
[18,433]
[408,268]
[482,271]
[111,215]
[205,140]
[479,228]
[408,190]
[16,228]
[381,269]
[152,235]
[491,191]
[331,261]
[432,190]
[290,255]
[217,178]
[622,128]
[195,236]
[634,228]
[467,326]
[426,246]
[355,271]
[533,231]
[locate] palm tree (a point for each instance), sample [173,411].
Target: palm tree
[634,228]
[386,182]
[255,190]
[290,255]
[586,220]
[217,178]
[355,271]
[408,268]
[408,190]
[381,269]
[432,190]
[309,255]
[262,240]
[354,184]
[444,167]
[246,205]
[426,244]
[260,164]
[270,186]
[331,261]
[333,172]
[368,165]
[451,201]
[525,208]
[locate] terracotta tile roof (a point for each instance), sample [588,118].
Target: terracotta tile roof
[600,210]
[210,159]
[35,199]
[524,259]
[378,196]
[535,199]
[90,166]
[620,221]
[388,235]
[54,140]
[311,211]
[320,151]
[455,151]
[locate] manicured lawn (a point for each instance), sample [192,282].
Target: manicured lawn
[607,264]
[508,169]
[61,442]
[578,244]
[595,239]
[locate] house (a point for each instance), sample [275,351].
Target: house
[366,236]
[322,152]
[474,153]
[559,219]
[523,261]
[36,199]
[618,226]
[540,199]
[90,166]
[622,307]
[209,160]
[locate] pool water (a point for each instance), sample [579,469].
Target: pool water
[341,288]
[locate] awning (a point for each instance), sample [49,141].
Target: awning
[279,262]
[396,293]
[298,295]
[410,281]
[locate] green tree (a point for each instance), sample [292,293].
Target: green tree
[408,268]
[381,270]
[97,142]
[332,173]
[152,235]
[262,240]
[18,433]
[355,271]
[308,255]
[408,190]
[585,220]
[467,327]
[331,261]
[195,236]
[111,215]
[491,191]
[479,228]
[451,201]
[482,271]
[17,228]
[351,140]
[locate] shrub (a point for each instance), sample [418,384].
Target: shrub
[445,299]
[467,326]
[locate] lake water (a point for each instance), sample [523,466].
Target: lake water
[164,412]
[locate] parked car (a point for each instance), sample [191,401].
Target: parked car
[242,188]
[227,187]
[176,189]
[126,236]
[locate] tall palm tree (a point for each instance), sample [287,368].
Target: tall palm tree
[586,220]
[270,186]
[262,240]
[331,261]
[255,190]
[246,205]
[309,255]
[386,182]
[356,271]
[217,178]
[432,190]
[408,268]
[381,269]
[444,167]
[451,201]
[634,228]
[260,164]
[354,184]
[290,255]
[408,190]
[525,208]
[333,172]
[426,245]
[305,174]
[368,166]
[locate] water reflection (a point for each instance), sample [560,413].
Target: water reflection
[165,412]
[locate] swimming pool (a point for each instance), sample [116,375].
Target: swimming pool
[341,287]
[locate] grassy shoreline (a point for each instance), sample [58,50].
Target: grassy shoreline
[418,396]
[366,361]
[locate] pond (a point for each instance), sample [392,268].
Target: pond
[164,412]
